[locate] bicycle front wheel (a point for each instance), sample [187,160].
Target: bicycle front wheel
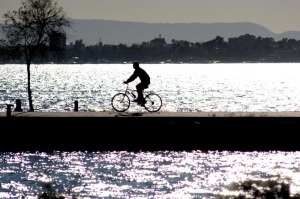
[120,102]
[153,102]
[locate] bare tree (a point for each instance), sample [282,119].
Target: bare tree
[28,30]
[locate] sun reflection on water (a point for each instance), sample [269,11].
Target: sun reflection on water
[183,87]
[161,174]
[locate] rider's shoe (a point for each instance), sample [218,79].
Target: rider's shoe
[142,102]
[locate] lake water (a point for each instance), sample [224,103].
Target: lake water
[157,174]
[161,174]
[183,87]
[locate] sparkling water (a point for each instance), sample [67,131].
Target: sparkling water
[257,87]
[160,174]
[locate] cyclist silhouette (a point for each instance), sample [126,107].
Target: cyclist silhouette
[145,81]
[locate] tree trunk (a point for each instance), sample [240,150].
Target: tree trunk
[31,109]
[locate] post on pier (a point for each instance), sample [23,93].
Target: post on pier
[18,106]
[76,106]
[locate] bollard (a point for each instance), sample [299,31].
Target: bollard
[8,112]
[18,105]
[76,106]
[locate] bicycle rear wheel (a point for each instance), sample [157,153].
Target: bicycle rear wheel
[120,102]
[153,102]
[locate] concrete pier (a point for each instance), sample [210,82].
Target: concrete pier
[110,131]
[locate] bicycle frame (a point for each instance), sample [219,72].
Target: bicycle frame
[130,92]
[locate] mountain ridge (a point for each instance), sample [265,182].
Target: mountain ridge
[92,31]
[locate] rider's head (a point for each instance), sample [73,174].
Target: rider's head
[136,65]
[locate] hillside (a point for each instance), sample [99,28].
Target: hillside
[116,32]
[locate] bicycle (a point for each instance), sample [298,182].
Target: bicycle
[121,101]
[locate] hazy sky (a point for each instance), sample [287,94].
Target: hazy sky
[277,15]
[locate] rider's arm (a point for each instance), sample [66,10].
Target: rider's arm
[131,78]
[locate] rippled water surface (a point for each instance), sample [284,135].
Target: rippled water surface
[183,87]
[161,174]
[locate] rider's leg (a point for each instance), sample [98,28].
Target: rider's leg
[139,89]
